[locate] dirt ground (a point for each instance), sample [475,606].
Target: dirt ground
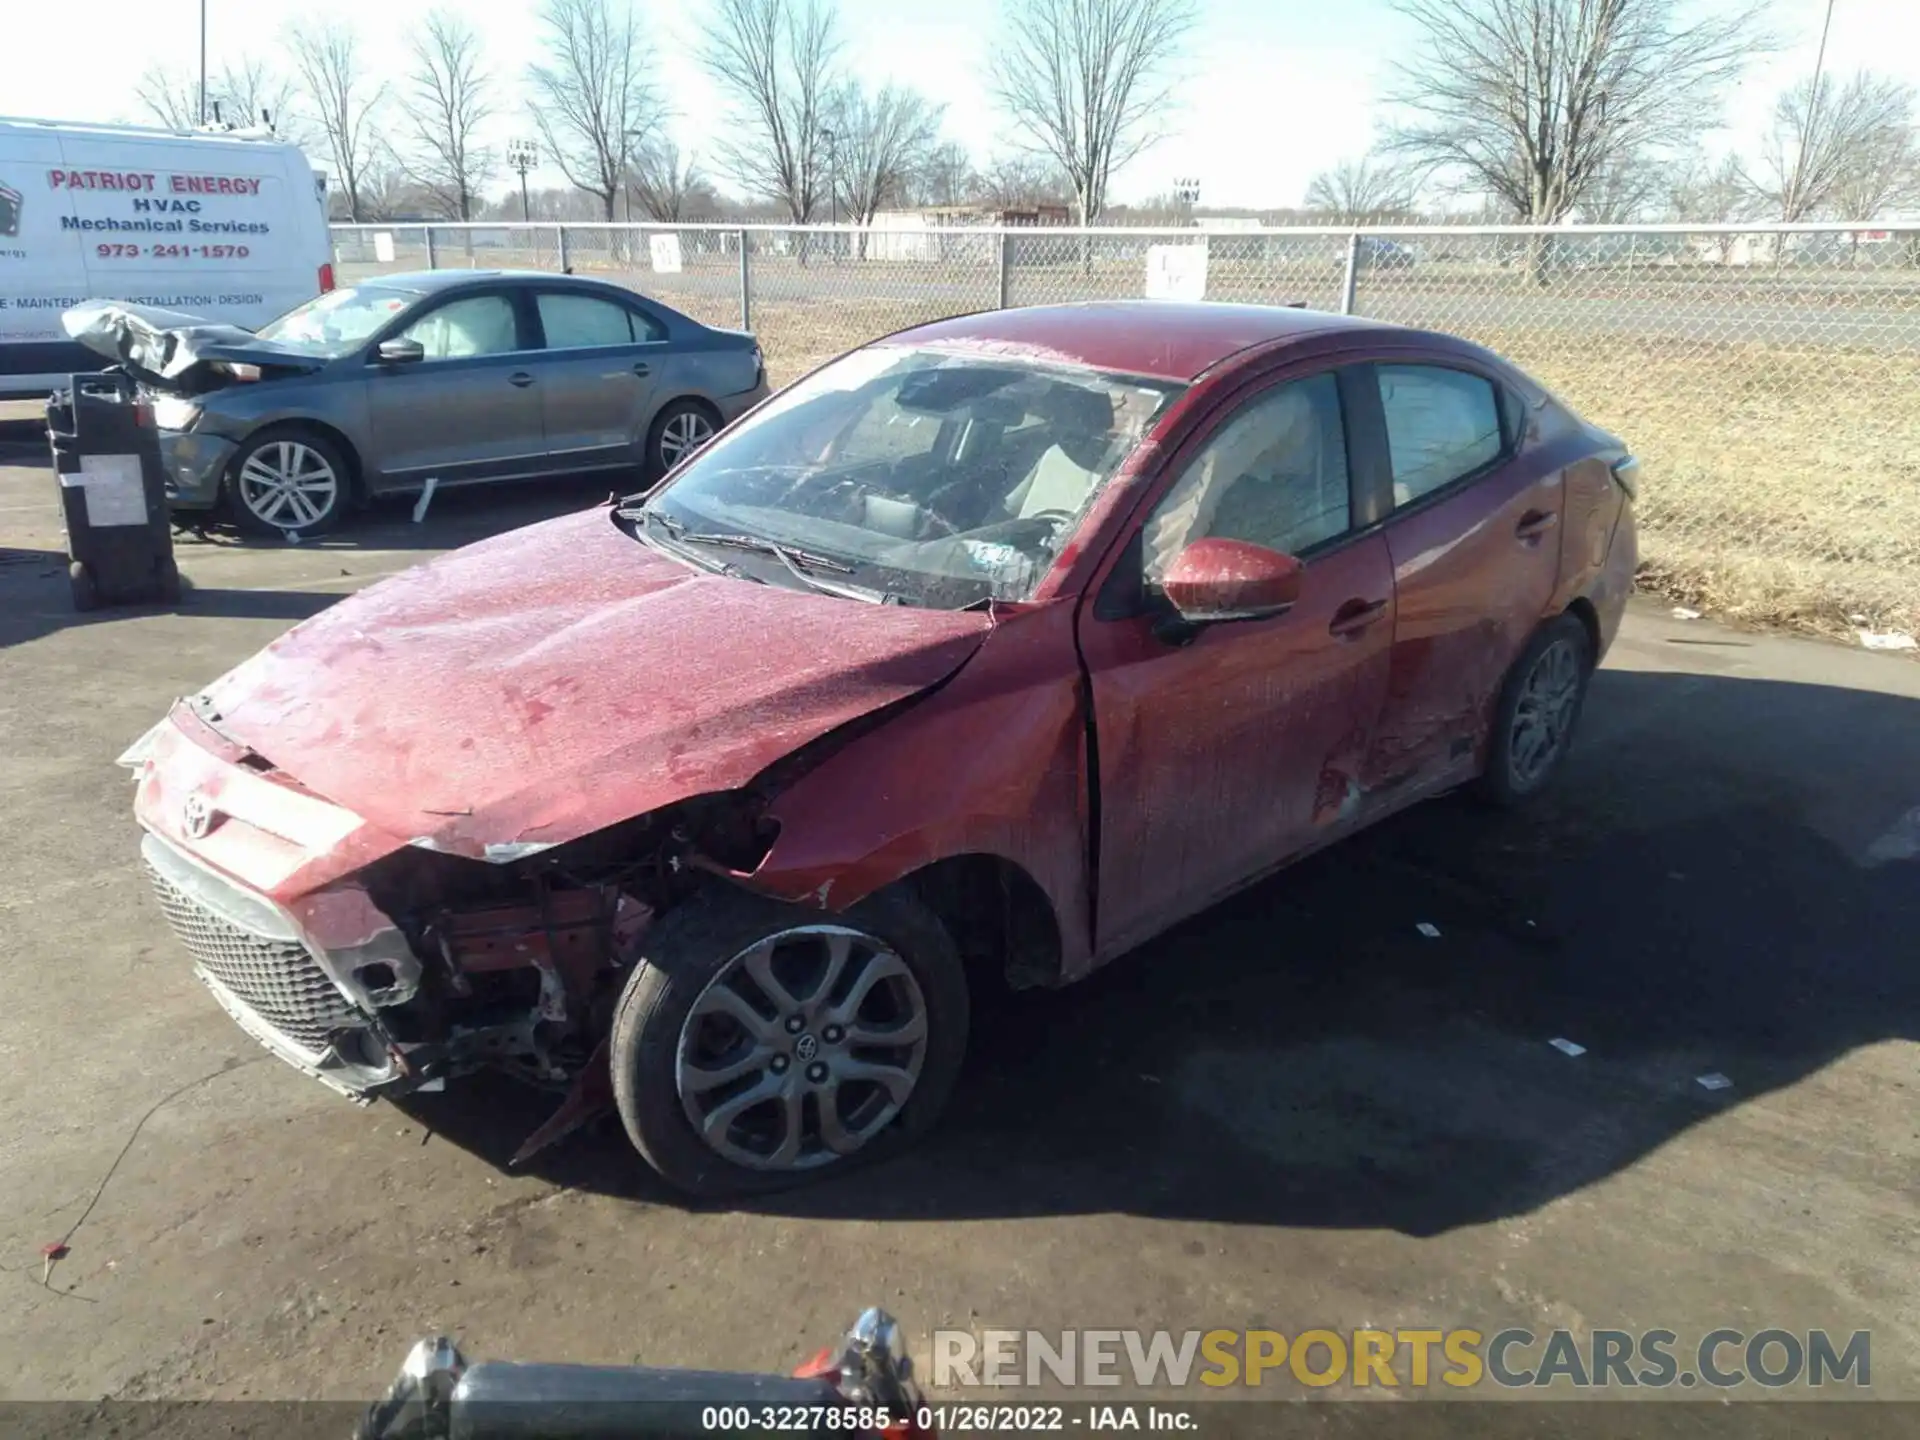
[1296,1111]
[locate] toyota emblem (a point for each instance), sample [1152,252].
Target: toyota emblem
[196,816]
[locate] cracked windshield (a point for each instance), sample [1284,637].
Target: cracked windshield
[938,479]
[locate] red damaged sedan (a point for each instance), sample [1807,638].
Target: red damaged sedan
[980,655]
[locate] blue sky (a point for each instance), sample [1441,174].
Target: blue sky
[1273,90]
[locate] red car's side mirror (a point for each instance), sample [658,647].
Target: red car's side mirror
[1218,579]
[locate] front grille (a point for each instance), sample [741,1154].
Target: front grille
[276,979]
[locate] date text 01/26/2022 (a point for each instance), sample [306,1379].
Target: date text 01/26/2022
[948,1419]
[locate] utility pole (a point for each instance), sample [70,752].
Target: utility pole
[203,62]
[523,155]
[1792,196]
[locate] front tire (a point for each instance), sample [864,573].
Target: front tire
[1539,707]
[759,1045]
[292,483]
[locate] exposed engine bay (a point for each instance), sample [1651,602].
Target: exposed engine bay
[518,966]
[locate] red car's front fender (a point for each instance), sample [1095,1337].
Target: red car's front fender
[993,763]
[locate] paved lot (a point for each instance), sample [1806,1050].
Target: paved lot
[1296,1111]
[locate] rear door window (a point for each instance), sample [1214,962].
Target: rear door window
[582,322]
[1442,425]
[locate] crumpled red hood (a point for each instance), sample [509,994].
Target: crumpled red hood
[542,685]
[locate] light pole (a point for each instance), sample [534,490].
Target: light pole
[203,62]
[1186,190]
[523,155]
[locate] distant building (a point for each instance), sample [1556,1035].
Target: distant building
[918,234]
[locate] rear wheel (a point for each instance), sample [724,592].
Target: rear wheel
[758,1045]
[679,430]
[1539,706]
[288,482]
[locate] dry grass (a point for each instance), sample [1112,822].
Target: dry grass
[1782,483]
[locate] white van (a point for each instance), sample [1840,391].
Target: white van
[227,225]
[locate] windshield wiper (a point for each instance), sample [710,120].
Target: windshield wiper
[789,555]
[793,558]
[796,561]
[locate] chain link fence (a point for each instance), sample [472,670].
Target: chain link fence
[1769,377]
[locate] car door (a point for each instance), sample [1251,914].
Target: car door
[469,408]
[1474,535]
[1221,755]
[598,366]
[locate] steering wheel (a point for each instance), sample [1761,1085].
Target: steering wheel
[1041,521]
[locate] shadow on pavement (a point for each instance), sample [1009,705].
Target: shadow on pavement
[35,600]
[1303,1055]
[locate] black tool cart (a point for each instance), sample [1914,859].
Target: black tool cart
[106,452]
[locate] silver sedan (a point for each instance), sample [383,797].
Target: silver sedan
[458,377]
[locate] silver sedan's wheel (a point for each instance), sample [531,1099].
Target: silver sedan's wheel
[288,484]
[803,1048]
[683,430]
[1543,715]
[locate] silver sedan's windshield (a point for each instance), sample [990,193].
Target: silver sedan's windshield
[937,478]
[334,323]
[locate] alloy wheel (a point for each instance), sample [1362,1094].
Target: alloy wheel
[802,1049]
[682,435]
[1543,715]
[288,485]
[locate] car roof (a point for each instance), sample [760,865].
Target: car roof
[1163,339]
[427,282]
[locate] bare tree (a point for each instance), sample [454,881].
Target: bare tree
[449,96]
[1623,192]
[775,61]
[666,181]
[1706,192]
[1825,135]
[1883,175]
[1531,101]
[388,192]
[1016,182]
[344,100]
[1085,83]
[594,100]
[881,136]
[1363,191]
[170,97]
[943,176]
[253,92]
